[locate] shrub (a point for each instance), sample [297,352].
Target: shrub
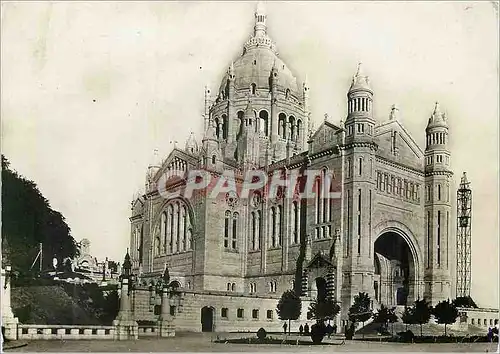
[318,331]
[261,333]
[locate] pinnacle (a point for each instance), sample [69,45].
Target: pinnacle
[359,72]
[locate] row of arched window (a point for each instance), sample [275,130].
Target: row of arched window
[275,226]
[175,230]
[288,128]
[436,138]
[398,186]
[231,286]
[359,104]
[323,203]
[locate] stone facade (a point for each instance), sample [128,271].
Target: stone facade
[389,234]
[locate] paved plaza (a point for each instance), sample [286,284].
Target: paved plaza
[202,342]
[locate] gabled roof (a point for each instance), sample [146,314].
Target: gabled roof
[327,124]
[320,260]
[407,138]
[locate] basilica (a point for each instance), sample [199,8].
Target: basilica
[389,234]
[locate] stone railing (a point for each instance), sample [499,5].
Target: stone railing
[32,332]
[149,331]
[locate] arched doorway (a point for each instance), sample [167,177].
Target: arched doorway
[395,271]
[321,291]
[207,319]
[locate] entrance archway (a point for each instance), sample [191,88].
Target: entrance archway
[321,290]
[207,319]
[395,270]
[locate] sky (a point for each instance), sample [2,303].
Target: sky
[90,89]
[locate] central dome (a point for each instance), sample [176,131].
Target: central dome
[255,64]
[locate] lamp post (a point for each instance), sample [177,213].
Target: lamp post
[125,325]
[165,321]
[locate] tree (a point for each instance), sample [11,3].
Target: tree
[464,301]
[446,313]
[27,221]
[323,310]
[421,313]
[360,311]
[408,317]
[392,318]
[382,316]
[289,307]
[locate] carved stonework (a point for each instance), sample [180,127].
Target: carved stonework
[232,199]
[256,199]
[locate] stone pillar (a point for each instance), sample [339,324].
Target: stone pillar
[9,322]
[126,327]
[165,321]
[305,283]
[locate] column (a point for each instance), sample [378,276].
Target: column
[305,283]
[8,320]
[126,327]
[175,230]
[182,224]
[165,321]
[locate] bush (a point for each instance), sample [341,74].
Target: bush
[349,334]
[318,332]
[406,336]
[261,333]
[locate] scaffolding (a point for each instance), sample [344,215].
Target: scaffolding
[464,218]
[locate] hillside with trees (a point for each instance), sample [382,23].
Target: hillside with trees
[28,220]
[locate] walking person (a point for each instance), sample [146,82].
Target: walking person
[306,329]
[285,326]
[301,329]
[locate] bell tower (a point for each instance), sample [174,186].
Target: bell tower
[437,276]
[358,189]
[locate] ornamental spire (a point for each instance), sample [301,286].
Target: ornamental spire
[260,20]
[394,115]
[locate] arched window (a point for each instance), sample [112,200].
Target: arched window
[259,232]
[157,246]
[318,200]
[235,231]
[218,124]
[228,286]
[254,230]
[183,228]
[224,126]
[273,227]
[264,122]
[214,159]
[287,93]
[177,216]
[226,229]
[279,218]
[324,200]
[254,89]
[163,231]
[170,223]
[296,221]
[233,287]
[282,125]
[240,122]
[291,121]
[298,136]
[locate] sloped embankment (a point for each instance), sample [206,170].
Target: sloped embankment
[49,304]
